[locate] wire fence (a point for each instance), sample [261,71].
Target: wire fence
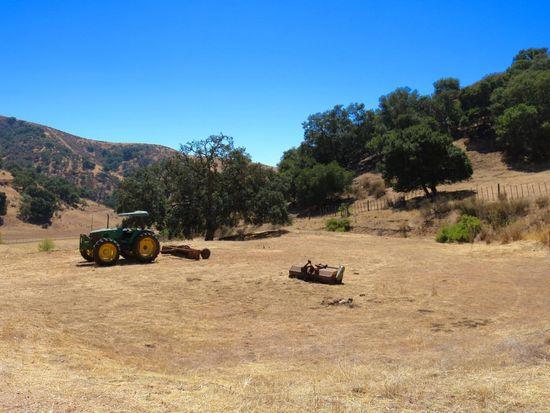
[492,192]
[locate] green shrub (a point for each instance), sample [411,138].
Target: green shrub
[46,245]
[338,225]
[315,185]
[465,230]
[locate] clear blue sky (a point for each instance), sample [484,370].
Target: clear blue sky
[170,71]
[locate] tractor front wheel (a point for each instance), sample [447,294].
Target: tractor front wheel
[106,252]
[87,254]
[146,247]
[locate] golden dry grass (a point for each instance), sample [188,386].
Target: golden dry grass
[461,328]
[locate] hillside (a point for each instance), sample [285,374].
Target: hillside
[67,222]
[96,166]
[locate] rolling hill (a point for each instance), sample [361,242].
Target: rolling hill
[95,166]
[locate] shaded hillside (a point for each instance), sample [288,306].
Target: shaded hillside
[94,166]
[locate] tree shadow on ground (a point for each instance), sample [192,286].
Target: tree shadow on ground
[255,235]
[328,208]
[122,262]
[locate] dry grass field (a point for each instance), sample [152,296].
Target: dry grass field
[432,327]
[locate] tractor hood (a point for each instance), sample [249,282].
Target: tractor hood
[96,231]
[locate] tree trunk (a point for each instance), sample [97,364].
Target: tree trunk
[434,190]
[209,236]
[426,191]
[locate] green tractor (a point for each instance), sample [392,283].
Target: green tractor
[105,246]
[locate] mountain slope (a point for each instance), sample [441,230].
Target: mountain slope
[95,166]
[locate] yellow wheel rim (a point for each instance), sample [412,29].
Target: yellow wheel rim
[107,252]
[147,247]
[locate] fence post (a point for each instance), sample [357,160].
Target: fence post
[498,190]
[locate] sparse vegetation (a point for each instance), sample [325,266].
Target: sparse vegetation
[338,225]
[497,214]
[29,147]
[46,245]
[542,202]
[374,187]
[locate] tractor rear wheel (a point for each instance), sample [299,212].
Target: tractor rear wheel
[146,247]
[106,252]
[87,254]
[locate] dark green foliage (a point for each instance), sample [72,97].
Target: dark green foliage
[3,204]
[534,58]
[523,126]
[445,106]
[210,185]
[38,205]
[339,134]
[291,165]
[316,185]
[87,164]
[465,230]
[477,119]
[144,191]
[512,109]
[338,225]
[523,134]
[63,189]
[419,157]
[403,108]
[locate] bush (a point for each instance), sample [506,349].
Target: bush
[38,206]
[319,183]
[46,245]
[465,230]
[338,225]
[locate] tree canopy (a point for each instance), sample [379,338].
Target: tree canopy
[420,157]
[211,184]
